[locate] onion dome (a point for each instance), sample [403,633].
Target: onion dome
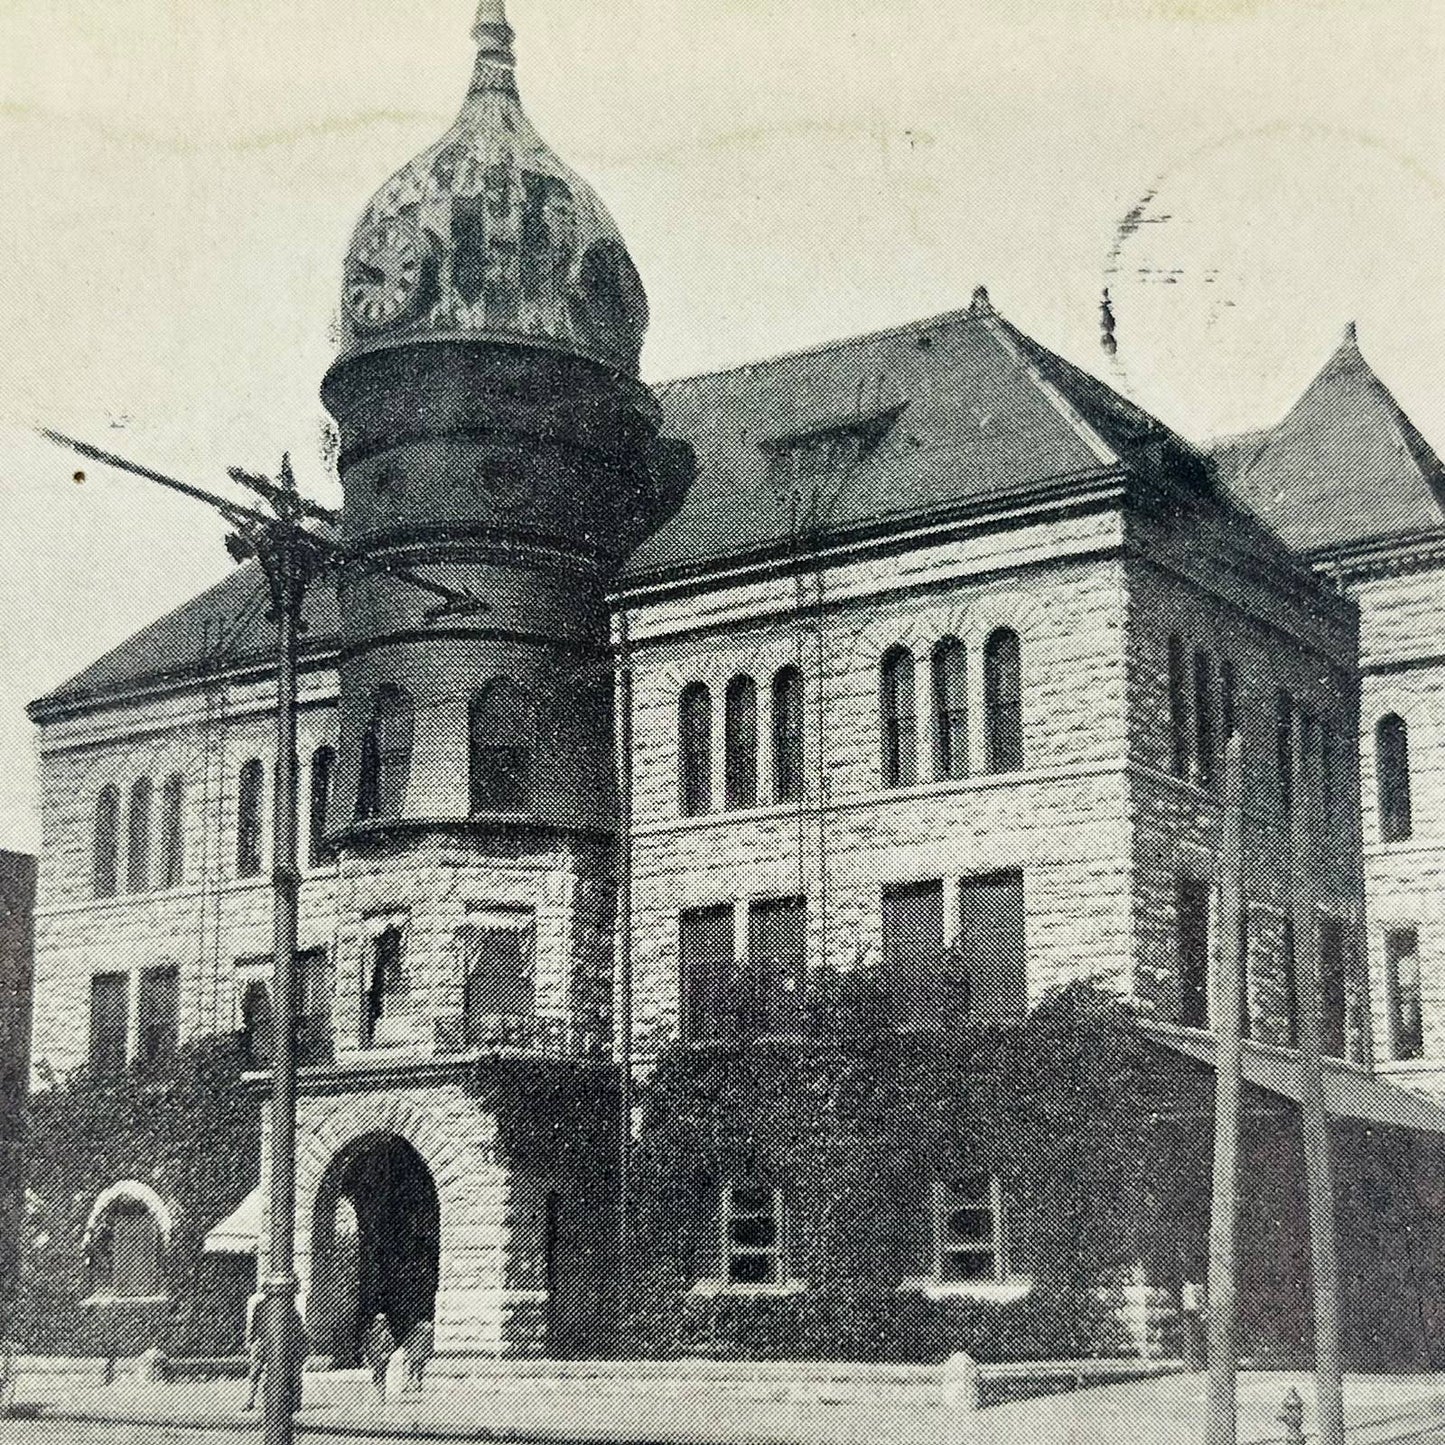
[487,235]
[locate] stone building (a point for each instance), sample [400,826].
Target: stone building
[891,677]
[17,962]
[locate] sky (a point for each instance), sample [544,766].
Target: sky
[181,177]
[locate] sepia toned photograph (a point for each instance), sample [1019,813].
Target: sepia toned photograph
[718,722]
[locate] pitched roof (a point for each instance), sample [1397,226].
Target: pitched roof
[879,429]
[865,433]
[1344,465]
[226,627]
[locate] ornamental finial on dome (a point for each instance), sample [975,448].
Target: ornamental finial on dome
[496,60]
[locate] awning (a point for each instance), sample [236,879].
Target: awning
[1351,1092]
[240,1231]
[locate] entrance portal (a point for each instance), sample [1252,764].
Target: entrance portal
[376,1245]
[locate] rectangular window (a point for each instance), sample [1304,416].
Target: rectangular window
[1284,751]
[752,1220]
[705,963]
[158,1015]
[1333,1000]
[769,996]
[316,989]
[913,953]
[499,982]
[1402,993]
[968,1231]
[1204,759]
[387,989]
[109,1015]
[989,969]
[1192,903]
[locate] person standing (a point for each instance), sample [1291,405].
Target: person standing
[378,1347]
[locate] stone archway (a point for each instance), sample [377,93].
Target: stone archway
[376,1244]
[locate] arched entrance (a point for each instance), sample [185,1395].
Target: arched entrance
[376,1245]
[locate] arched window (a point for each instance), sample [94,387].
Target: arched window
[385,755]
[1392,763]
[173,805]
[107,842]
[695,748]
[900,720]
[248,820]
[740,733]
[1003,701]
[503,735]
[125,1240]
[323,768]
[1178,709]
[138,836]
[950,709]
[788,735]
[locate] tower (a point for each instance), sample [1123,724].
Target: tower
[495,437]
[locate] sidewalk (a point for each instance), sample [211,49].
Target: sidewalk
[1380,1410]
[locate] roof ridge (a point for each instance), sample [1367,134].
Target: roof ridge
[941,318]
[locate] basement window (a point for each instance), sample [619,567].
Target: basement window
[968,1231]
[752,1219]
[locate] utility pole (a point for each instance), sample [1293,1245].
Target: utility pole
[1221,1425]
[1314,1119]
[291,556]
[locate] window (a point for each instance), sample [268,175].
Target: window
[124,1245]
[258,1030]
[740,734]
[950,709]
[173,843]
[1178,709]
[109,1017]
[1204,754]
[900,720]
[1228,700]
[788,735]
[968,1234]
[499,979]
[138,836]
[1003,701]
[1192,904]
[323,770]
[387,994]
[503,736]
[1284,752]
[706,959]
[752,1239]
[316,992]
[989,964]
[914,963]
[158,1015]
[1333,994]
[1392,761]
[1402,993]
[385,756]
[769,995]
[107,842]
[695,749]
[248,820]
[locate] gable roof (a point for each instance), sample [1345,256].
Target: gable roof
[226,627]
[1344,465]
[861,435]
[879,429]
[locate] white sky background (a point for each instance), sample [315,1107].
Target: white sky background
[179,179]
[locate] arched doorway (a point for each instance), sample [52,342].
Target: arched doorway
[376,1245]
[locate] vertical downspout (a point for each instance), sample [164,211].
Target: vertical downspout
[622,1005]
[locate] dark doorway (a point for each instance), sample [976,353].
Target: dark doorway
[387,1261]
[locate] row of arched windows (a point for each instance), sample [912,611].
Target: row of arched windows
[948,710]
[740,742]
[135,871]
[898,719]
[502,731]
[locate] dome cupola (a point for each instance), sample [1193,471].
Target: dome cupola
[487,235]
